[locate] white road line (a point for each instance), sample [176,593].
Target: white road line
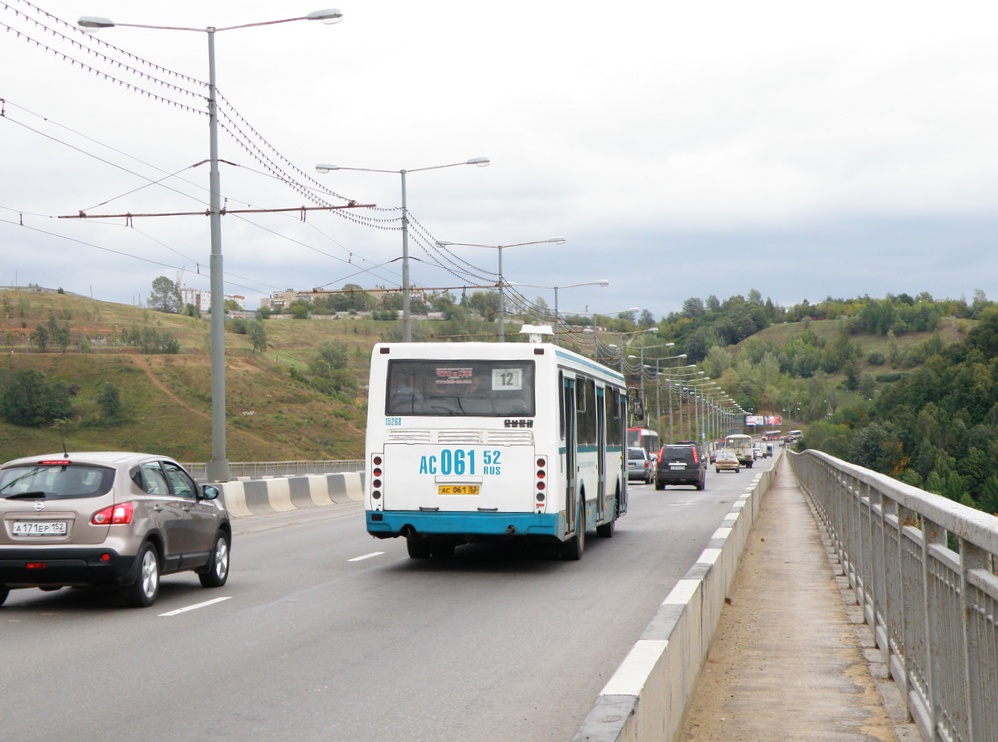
[366,556]
[193,607]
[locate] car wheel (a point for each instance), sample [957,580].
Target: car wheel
[4,592]
[659,485]
[216,571]
[142,593]
[717,470]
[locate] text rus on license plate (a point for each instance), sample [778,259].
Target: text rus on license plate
[457,489]
[39,528]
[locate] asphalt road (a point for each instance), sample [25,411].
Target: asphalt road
[323,633]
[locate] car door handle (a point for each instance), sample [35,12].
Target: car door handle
[157,508]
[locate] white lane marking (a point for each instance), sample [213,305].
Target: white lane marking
[366,556]
[193,607]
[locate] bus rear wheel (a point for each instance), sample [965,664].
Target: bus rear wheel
[572,549]
[417,547]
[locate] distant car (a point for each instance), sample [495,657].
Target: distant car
[726,460]
[108,519]
[769,450]
[681,463]
[639,465]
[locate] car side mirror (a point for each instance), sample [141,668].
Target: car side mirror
[209,492]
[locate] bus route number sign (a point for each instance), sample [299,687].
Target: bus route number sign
[507,379]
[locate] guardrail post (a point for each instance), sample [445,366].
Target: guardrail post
[972,558]
[932,535]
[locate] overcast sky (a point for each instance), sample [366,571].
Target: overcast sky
[683,150]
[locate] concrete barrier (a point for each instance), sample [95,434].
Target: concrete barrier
[283,494]
[646,697]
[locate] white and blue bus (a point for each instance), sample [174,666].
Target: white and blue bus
[473,442]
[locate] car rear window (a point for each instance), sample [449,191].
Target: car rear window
[55,481]
[678,453]
[635,453]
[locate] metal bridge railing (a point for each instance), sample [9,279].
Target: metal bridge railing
[261,469]
[923,570]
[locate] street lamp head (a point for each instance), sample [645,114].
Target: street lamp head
[325,168]
[329,16]
[480,161]
[558,240]
[94,22]
[603,282]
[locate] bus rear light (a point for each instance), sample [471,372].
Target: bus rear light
[377,472]
[375,495]
[540,497]
[541,463]
[376,483]
[540,485]
[541,474]
[377,461]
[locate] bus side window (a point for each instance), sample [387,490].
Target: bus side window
[561,403]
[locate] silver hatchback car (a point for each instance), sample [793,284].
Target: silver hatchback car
[117,519]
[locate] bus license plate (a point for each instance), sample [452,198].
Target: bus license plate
[39,528]
[457,489]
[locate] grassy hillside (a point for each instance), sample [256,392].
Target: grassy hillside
[950,331]
[271,416]
[167,398]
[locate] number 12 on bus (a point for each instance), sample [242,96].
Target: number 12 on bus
[475,442]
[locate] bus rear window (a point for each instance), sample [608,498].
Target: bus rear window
[456,388]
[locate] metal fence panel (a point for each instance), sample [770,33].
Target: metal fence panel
[923,569]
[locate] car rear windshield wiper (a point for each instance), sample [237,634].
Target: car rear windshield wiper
[28,496]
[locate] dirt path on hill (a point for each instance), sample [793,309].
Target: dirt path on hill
[143,364]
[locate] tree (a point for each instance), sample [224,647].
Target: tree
[299,309]
[165,296]
[40,335]
[258,334]
[29,398]
[59,334]
[109,400]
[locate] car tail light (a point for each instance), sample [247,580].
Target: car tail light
[696,458]
[115,515]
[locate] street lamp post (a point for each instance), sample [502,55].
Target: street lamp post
[658,386]
[641,361]
[406,289]
[499,248]
[601,282]
[217,469]
[681,378]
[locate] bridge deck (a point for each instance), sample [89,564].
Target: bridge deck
[792,658]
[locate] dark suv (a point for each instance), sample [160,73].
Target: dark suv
[681,463]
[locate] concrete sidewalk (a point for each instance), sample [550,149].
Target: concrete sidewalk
[792,658]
